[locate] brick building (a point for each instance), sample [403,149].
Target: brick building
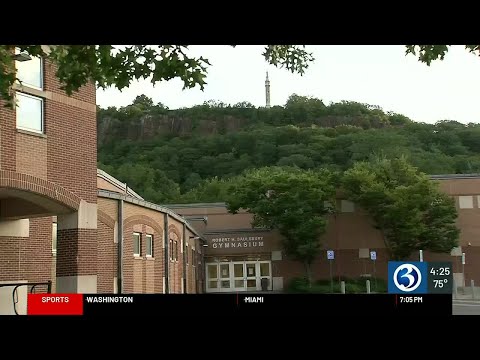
[54,223]
[64,221]
[48,167]
[238,257]
[144,227]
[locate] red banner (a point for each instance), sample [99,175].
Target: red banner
[55,304]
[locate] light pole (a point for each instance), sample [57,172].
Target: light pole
[22,57]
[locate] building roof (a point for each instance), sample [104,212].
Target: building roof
[222,204]
[117,183]
[132,200]
[193,205]
[455,176]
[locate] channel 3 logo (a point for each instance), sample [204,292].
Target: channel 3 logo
[407,277]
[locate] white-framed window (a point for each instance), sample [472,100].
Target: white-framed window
[54,238]
[30,108]
[465,202]
[137,244]
[186,254]
[176,250]
[30,72]
[149,240]
[171,249]
[29,112]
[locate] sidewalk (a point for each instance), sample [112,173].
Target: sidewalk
[465,297]
[465,293]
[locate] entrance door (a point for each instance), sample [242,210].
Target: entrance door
[225,281]
[252,279]
[265,273]
[239,277]
[212,274]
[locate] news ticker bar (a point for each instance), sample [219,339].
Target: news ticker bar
[238,304]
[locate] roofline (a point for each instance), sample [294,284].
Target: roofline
[235,231]
[118,183]
[129,199]
[194,205]
[455,176]
[222,204]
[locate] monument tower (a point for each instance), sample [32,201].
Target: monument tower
[267,92]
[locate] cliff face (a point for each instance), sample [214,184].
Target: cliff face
[148,126]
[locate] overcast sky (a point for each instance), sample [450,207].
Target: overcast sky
[376,75]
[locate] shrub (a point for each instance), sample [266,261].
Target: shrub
[323,286]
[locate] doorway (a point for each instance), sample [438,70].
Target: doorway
[238,276]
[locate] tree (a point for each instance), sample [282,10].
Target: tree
[429,53]
[289,200]
[297,160]
[409,209]
[143,102]
[211,190]
[192,180]
[107,66]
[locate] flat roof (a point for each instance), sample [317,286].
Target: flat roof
[222,204]
[130,199]
[455,176]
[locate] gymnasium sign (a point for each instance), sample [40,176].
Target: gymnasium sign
[237,242]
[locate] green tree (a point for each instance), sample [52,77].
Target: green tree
[211,190]
[143,102]
[107,66]
[297,160]
[429,53]
[300,109]
[192,181]
[409,209]
[289,200]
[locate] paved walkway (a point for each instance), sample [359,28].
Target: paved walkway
[466,307]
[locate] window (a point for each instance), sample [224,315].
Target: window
[193,257]
[54,238]
[137,244]
[465,202]
[171,249]
[29,112]
[176,250]
[186,254]
[30,108]
[149,239]
[30,72]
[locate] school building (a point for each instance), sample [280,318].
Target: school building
[67,227]
[238,257]
[64,225]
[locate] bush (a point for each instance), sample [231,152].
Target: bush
[352,286]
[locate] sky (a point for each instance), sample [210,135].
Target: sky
[377,75]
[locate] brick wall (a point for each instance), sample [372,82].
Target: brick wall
[66,157]
[142,274]
[86,93]
[348,264]
[7,138]
[31,155]
[106,263]
[191,284]
[176,266]
[71,150]
[28,258]
[76,252]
